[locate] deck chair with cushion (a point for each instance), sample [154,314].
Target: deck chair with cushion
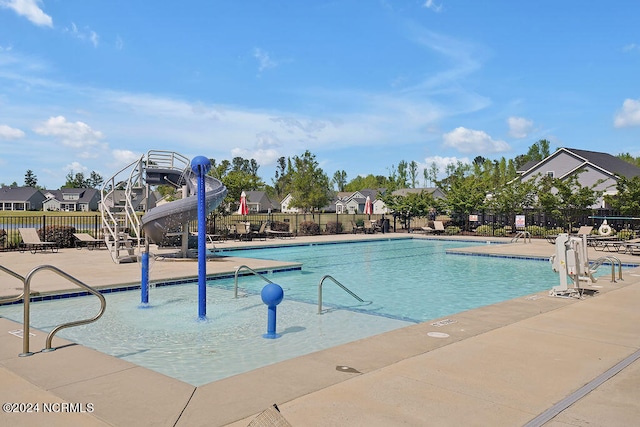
[438,227]
[261,233]
[32,242]
[277,233]
[87,240]
[355,228]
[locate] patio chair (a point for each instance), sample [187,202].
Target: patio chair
[261,233]
[369,228]
[87,240]
[243,230]
[278,233]
[585,229]
[356,228]
[32,241]
[438,227]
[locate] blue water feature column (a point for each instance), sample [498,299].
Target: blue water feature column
[272,295]
[200,165]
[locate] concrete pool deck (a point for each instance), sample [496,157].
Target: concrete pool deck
[503,364]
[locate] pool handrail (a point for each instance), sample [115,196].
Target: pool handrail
[327,276]
[17,276]
[26,320]
[235,283]
[613,260]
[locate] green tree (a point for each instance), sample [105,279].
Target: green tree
[30,180]
[413,173]
[629,159]
[464,192]
[238,175]
[513,198]
[310,188]
[369,181]
[409,206]
[537,152]
[627,199]
[340,179]
[567,199]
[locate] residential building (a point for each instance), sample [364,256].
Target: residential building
[71,200]
[21,199]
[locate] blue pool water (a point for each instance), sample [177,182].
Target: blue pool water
[403,282]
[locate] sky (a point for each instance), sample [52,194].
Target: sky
[362,84]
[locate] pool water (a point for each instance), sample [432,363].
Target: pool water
[402,282]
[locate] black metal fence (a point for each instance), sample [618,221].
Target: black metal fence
[537,223]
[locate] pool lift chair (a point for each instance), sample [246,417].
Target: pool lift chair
[571,262]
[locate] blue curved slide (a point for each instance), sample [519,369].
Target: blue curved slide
[167,217]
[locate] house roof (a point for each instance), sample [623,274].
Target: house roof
[607,163]
[612,164]
[17,194]
[435,191]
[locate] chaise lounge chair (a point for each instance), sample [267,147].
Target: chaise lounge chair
[279,234]
[438,227]
[32,241]
[87,240]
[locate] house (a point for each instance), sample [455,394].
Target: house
[354,202]
[71,200]
[138,199]
[286,201]
[258,201]
[21,199]
[594,168]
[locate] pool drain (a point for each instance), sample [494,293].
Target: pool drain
[437,335]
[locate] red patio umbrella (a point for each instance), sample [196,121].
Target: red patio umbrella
[368,208]
[243,209]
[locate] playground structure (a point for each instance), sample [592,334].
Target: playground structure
[128,193]
[571,261]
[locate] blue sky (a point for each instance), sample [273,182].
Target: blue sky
[363,84]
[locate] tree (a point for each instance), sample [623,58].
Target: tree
[78,180]
[369,181]
[95,180]
[627,199]
[310,189]
[30,180]
[413,173]
[464,193]
[513,198]
[282,178]
[409,206]
[238,175]
[340,179]
[567,198]
[537,152]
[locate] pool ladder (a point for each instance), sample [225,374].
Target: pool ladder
[244,267]
[614,261]
[27,291]
[347,290]
[524,234]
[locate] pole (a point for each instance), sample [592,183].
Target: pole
[201,165]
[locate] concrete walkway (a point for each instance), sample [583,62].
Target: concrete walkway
[504,364]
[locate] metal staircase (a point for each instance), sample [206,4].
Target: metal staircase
[125,198]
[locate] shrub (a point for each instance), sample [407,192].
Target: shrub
[360,222]
[452,229]
[334,227]
[309,228]
[61,234]
[536,230]
[625,234]
[499,232]
[3,236]
[484,230]
[279,226]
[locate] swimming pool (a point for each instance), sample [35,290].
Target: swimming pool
[404,282]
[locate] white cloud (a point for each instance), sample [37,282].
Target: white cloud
[124,157]
[441,164]
[264,61]
[86,34]
[519,127]
[629,115]
[74,135]
[631,47]
[30,9]
[7,132]
[473,141]
[75,167]
[431,4]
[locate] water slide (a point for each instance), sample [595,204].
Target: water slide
[169,216]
